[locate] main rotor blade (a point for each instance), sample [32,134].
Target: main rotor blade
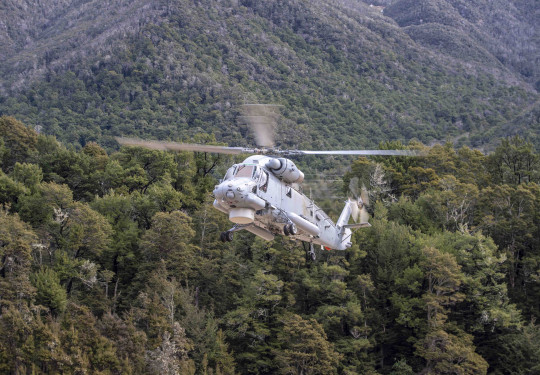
[262,128]
[261,119]
[175,146]
[360,152]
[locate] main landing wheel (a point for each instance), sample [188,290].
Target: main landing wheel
[286,230]
[292,229]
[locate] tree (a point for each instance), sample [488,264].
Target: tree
[85,232]
[170,358]
[49,292]
[444,352]
[304,348]
[30,175]
[10,191]
[144,167]
[514,162]
[84,345]
[16,240]
[509,214]
[18,139]
[168,239]
[130,342]
[451,204]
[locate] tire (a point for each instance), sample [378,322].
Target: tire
[292,229]
[286,230]
[222,237]
[229,236]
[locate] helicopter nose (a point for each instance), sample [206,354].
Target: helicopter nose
[233,191]
[239,199]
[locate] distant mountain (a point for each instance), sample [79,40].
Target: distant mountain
[348,73]
[478,31]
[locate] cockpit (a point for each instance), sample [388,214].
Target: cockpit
[248,171]
[243,171]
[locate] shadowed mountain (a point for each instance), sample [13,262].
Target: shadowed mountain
[347,74]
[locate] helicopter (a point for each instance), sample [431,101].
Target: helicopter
[262,194]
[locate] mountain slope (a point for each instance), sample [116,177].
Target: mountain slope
[346,74]
[488,32]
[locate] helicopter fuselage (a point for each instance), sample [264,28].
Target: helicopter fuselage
[260,196]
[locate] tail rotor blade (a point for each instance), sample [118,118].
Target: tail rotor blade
[364,195]
[364,215]
[355,210]
[353,187]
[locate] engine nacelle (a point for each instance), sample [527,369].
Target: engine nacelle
[286,170]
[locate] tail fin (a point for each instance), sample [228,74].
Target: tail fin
[350,207]
[356,209]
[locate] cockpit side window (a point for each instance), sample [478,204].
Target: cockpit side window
[230,173]
[256,173]
[289,192]
[263,182]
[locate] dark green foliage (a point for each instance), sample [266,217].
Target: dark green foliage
[115,266]
[49,292]
[19,142]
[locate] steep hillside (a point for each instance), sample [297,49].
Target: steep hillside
[478,31]
[347,74]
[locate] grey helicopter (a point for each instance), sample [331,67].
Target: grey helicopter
[263,195]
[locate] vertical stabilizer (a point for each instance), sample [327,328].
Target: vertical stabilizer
[346,213]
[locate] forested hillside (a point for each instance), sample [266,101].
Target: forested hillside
[346,73]
[110,259]
[111,264]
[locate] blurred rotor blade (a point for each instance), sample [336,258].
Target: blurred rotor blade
[174,146]
[261,119]
[263,130]
[353,187]
[364,195]
[364,215]
[360,152]
[355,210]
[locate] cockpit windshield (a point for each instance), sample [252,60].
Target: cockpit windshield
[244,170]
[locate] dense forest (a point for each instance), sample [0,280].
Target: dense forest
[110,263]
[110,258]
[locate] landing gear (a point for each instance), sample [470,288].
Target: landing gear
[227,236]
[290,229]
[310,251]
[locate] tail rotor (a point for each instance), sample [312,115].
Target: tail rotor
[360,199]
